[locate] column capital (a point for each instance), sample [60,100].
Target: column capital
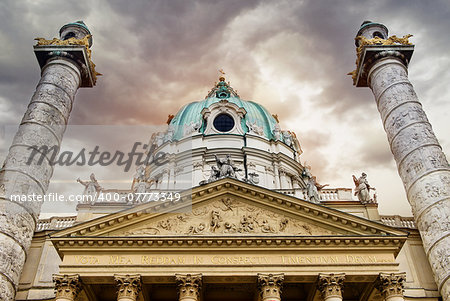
[270,286]
[189,286]
[390,284]
[331,285]
[128,286]
[67,287]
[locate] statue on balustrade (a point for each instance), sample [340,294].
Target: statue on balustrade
[312,187]
[91,187]
[362,189]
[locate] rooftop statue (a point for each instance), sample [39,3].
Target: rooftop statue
[312,187]
[362,189]
[91,187]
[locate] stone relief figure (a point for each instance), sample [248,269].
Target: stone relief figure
[91,187]
[362,189]
[215,174]
[215,220]
[191,128]
[253,178]
[226,167]
[283,224]
[266,227]
[247,224]
[196,229]
[254,128]
[230,228]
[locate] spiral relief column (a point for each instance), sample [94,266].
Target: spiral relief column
[66,66]
[382,65]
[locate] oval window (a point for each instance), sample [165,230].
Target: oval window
[223,123]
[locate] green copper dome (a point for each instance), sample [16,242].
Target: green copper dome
[191,113]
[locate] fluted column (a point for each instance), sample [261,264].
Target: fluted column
[128,286]
[270,286]
[67,287]
[421,163]
[189,286]
[390,285]
[331,286]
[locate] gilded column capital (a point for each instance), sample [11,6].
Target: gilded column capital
[331,285]
[189,286]
[390,284]
[270,286]
[128,286]
[67,287]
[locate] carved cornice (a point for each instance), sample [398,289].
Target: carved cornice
[241,241]
[331,285]
[270,286]
[66,286]
[189,285]
[390,284]
[128,286]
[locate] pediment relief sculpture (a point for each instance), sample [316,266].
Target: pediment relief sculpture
[227,217]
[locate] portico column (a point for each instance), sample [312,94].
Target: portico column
[189,286]
[270,286]
[382,65]
[128,286]
[390,285]
[67,287]
[330,286]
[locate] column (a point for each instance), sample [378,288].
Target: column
[189,286]
[128,286]
[67,287]
[382,65]
[27,168]
[390,285]
[330,286]
[270,286]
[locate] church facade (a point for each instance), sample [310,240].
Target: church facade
[249,222]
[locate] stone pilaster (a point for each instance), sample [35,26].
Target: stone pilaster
[421,163]
[331,286]
[270,286]
[390,285]
[189,286]
[128,287]
[67,287]
[25,172]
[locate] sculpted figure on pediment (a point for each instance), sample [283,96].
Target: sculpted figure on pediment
[227,217]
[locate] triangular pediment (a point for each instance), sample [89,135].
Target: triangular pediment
[230,208]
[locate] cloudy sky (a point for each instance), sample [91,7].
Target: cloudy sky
[290,56]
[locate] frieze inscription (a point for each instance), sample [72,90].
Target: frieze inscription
[223,260]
